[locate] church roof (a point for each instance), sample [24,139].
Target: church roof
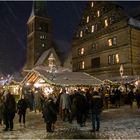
[45,55]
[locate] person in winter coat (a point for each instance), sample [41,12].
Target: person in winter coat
[79,108]
[96,109]
[49,114]
[112,97]
[73,112]
[65,105]
[130,98]
[117,97]
[82,108]
[9,111]
[21,109]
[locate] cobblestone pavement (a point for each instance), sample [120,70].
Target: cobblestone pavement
[122,123]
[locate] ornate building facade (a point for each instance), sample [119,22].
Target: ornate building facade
[106,39]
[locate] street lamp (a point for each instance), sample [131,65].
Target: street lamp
[121,71]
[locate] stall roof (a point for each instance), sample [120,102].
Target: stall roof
[67,78]
[125,79]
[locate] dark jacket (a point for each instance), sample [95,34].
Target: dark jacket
[49,111]
[81,102]
[117,94]
[131,96]
[9,107]
[96,104]
[22,106]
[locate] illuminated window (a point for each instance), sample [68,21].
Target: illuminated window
[98,13]
[81,51]
[87,19]
[114,58]
[83,64]
[110,42]
[92,4]
[106,22]
[117,58]
[81,33]
[92,28]
[42,37]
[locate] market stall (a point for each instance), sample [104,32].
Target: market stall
[54,81]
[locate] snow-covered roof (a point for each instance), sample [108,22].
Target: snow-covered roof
[125,79]
[133,22]
[67,78]
[43,57]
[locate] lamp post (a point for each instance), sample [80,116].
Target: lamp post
[121,71]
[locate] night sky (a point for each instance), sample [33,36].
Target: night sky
[65,15]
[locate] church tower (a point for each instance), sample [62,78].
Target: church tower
[39,33]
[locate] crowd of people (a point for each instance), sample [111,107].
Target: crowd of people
[77,104]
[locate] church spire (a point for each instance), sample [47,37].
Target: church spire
[39,8]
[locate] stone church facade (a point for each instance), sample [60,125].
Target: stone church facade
[106,39]
[40,51]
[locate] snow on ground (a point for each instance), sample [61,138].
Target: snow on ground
[122,123]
